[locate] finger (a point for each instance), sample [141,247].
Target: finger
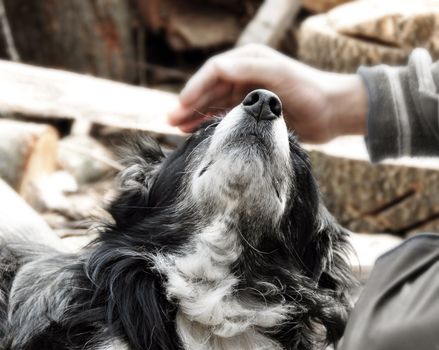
[200,83]
[193,124]
[221,106]
[180,115]
[184,113]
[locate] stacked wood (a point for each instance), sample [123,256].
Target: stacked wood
[85,36]
[85,158]
[196,24]
[41,93]
[27,153]
[368,33]
[400,197]
[322,5]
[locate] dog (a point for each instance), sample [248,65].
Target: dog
[223,244]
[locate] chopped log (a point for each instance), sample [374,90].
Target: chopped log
[400,24]
[18,221]
[368,33]
[85,158]
[42,93]
[189,30]
[192,25]
[322,5]
[85,36]
[27,153]
[271,23]
[399,196]
[323,47]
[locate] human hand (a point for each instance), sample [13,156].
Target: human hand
[317,105]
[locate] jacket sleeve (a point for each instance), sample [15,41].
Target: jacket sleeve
[403,116]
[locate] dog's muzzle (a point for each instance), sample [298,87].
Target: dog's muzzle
[262,105]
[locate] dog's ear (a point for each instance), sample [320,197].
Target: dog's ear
[328,255]
[329,247]
[142,157]
[322,247]
[321,242]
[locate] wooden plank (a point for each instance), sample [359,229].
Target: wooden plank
[270,23]
[43,92]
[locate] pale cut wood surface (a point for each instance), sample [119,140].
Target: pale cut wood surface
[369,32]
[270,23]
[19,222]
[43,92]
[27,152]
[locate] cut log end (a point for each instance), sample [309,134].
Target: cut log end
[27,152]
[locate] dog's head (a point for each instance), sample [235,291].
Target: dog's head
[245,175]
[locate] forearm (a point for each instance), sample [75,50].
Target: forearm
[348,101]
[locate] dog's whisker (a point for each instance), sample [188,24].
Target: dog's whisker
[200,113]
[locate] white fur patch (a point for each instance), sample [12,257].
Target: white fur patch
[211,315]
[114,344]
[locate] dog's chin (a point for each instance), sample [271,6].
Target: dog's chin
[246,169]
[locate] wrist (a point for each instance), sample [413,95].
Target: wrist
[347,102]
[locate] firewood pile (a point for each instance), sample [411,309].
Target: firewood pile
[59,130]
[369,32]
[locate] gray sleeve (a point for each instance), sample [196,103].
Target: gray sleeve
[403,118]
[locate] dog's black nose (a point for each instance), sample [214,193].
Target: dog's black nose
[262,105]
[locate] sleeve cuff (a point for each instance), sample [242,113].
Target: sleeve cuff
[382,136]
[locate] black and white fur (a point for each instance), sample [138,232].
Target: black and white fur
[224,244]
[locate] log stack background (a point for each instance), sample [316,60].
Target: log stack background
[369,32]
[58,129]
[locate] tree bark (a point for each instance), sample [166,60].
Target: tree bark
[88,36]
